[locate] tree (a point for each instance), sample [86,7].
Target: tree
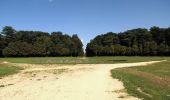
[9,34]
[2,45]
[45,43]
[37,43]
[92,49]
[158,34]
[77,46]
[61,44]
[134,42]
[153,48]
[110,39]
[163,49]
[17,49]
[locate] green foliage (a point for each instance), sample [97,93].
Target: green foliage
[36,43]
[76,46]
[135,42]
[15,49]
[7,70]
[2,44]
[9,34]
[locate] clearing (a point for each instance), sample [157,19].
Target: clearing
[65,82]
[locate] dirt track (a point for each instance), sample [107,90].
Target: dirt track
[66,82]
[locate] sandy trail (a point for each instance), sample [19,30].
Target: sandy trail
[69,82]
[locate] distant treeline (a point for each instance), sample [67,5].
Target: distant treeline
[135,42]
[36,43]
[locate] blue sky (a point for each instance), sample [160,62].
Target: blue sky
[87,18]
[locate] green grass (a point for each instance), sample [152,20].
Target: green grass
[80,60]
[151,82]
[8,70]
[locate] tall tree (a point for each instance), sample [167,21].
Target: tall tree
[37,43]
[2,45]
[77,46]
[18,49]
[140,41]
[157,34]
[9,34]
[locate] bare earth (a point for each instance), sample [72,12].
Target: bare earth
[65,82]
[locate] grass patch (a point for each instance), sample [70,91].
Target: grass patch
[8,70]
[81,60]
[151,82]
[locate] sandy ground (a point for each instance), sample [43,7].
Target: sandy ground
[65,82]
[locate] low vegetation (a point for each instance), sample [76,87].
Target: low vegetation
[151,82]
[81,60]
[8,70]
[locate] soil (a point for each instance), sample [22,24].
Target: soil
[65,82]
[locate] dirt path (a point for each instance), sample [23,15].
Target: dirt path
[72,82]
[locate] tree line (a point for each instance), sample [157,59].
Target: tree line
[36,43]
[135,42]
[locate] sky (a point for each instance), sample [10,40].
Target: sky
[87,18]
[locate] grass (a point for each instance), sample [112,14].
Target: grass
[8,70]
[151,82]
[80,60]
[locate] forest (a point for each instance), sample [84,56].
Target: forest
[134,42]
[38,44]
